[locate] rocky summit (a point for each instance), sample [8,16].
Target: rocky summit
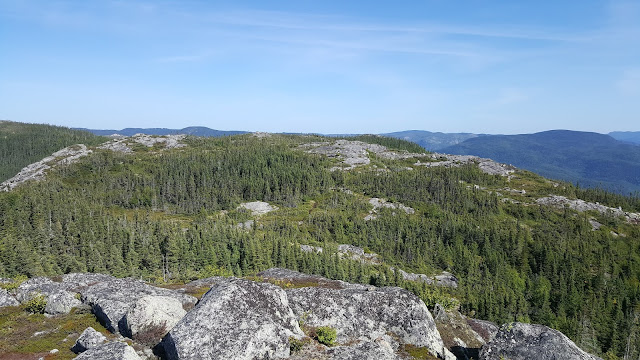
[279,314]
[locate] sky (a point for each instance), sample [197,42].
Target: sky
[499,67]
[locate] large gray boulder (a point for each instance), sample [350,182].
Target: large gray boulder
[111,300]
[80,280]
[37,286]
[154,312]
[110,351]
[518,341]
[89,339]
[236,319]
[7,299]
[59,295]
[368,314]
[61,303]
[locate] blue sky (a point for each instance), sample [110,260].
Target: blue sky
[323,66]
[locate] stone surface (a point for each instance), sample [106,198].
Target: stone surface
[75,280]
[518,341]
[368,314]
[258,208]
[581,205]
[486,165]
[37,170]
[110,351]
[123,144]
[7,299]
[355,153]
[236,319]
[379,350]
[89,339]
[443,279]
[61,303]
[154,311]
[60,299]
[111,300]
[357,253]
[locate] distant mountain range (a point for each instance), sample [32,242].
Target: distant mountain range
[590,159]
[191,130]
[631,137]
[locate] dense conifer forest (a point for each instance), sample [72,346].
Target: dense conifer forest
[23,144]
[172,215]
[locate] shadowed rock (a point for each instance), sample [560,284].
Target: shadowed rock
[89,339]
[518,341]
[111,300]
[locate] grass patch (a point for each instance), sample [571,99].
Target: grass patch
[24,333]
[416,352]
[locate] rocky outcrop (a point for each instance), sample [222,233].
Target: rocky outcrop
[459,333]
[7,299]
[236,319]
[80,280]
[59,298]
[357,253]
[89,339]
[111,300]
[154,312]
[61,302]
[378,203]
[581,205]
[518,341]
[37,170]
[311,249]
[110,351]
[486,165]
[355,153]
[123,144]
[366,314]
[258,208]
[445,278]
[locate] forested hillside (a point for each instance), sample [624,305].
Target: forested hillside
[22,144]
[173,215]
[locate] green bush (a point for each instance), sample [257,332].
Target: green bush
[36,304]
[295,345]
[326,335]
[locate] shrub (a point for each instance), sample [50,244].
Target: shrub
[36,304]
[295,345]
[326,335]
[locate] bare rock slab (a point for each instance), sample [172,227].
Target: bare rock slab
[7,299]
[110,351]
[368,314]
[89,339]
[154,312]
[111,300]
[518,341]
[236,319]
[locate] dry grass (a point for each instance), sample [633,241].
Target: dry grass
[27,336]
